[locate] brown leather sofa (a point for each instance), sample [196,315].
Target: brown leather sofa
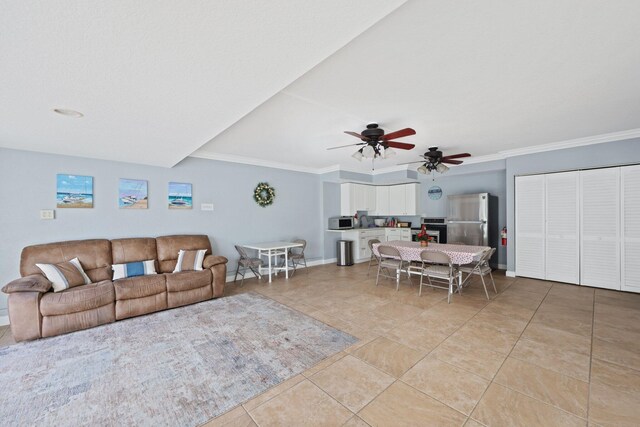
[35,311]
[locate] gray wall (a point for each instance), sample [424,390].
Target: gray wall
[492,182]
[29,184]
[591,156]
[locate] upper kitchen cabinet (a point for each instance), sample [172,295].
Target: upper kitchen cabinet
[404,199]
[357,197]
[382,200]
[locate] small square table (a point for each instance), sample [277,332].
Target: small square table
[271,250]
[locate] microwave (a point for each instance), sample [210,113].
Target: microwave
[341,222]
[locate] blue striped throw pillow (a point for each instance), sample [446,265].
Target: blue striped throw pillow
[133,269]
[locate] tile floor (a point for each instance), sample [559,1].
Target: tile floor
[539,353]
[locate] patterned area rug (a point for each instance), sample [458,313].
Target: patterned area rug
[176,367]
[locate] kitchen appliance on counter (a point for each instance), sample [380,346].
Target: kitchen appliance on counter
[472,219]
[436,228]
[342,222]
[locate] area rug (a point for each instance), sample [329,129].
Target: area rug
[177,367]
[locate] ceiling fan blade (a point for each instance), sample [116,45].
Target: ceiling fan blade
[457,156]
[409,163]
[399,134]
[348,145]
[357,135]
[451,162]
[400,145]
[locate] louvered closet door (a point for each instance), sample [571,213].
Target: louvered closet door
[630,203]
[530,226]
[600,228]
[562,242]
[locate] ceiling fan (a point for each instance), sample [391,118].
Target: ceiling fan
[376,143]
[433,160]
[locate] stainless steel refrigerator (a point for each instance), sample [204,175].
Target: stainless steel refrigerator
[472,219]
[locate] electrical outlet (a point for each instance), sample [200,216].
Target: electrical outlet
[206,206]
[47,214]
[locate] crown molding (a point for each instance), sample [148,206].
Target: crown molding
[572,143]
[231,158]
[501,155]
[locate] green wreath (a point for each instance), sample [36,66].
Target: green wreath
[264,194]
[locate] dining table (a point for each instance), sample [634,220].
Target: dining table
[459,254]
[272,250]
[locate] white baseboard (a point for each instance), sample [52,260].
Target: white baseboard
[249,274]
[4,320]
[502,266]
[510,273]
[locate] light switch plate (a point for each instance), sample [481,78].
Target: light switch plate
[47,214]
[206,206]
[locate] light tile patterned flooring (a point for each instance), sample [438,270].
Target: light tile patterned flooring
[539,353]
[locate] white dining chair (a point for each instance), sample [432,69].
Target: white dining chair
[391,265]
[437,265]
[481,268]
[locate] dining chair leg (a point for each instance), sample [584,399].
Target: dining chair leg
[378,275]
[244,271]
[305,263]
[484,286]
[493,281]
[369,266]
[398,270]
[450,292]
[236,276]
[420,291]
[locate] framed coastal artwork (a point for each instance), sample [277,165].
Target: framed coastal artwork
[180,196]
[74,191]
[132,194]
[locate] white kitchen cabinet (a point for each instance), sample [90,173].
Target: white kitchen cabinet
[363,244]
[530,226]
[412,199]
[600,228]
[403,234]
[397,200]
[630,205]
[562,242]
[356,197]
[382,201]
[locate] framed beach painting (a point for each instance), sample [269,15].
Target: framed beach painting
[180,196]
[74,191]
[132,194]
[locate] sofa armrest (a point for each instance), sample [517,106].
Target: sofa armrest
[211,260]
[32,283]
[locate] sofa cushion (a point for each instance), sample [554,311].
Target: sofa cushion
[186,280]
[190,260]
[65,275]
[169,247]
[141,286]
[133,250]
[56,325]
[73,300]
[94,256]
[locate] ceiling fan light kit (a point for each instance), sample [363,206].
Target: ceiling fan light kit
[434,161]
[378,144]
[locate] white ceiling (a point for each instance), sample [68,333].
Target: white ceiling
[157,79]
[481,77]
[277,82]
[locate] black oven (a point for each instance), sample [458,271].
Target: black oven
[437,225]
